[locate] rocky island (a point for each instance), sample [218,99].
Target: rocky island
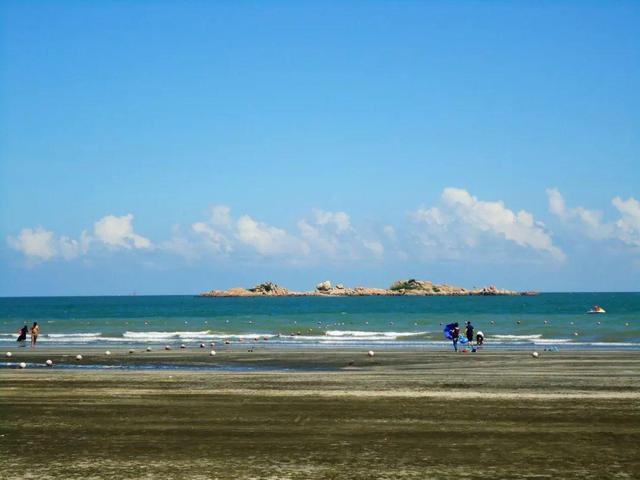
[410,287]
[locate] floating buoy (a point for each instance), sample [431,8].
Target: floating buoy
[371,353]
[202,345]
[545,322]
[227,342]
[183,346]
[22,365]
[167,347]
[575,334]
[148,349]
[132,351]
[212,353]
[212,344]
[78,357]
[534,354]
[107,353]
[8,354]
[49,363]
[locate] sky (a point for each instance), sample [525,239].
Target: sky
[176,147]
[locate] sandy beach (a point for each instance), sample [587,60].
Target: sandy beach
[321,414]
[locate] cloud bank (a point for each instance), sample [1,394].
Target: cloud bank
[112,232]
[462,222]
[458,227]
[591,223]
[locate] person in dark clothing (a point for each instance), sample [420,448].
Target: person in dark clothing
[23,334]
[469,332]
[455,335]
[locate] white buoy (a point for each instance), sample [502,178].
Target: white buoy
[534,354]
[227,342]
[183,346]
[107,353]
[371,353]
[22,365]
[575,334]
[78,357]
[49,363]
[212,353]
[148,349]
[212,344]
[132,350]
[202,345]
[8,354]
[167,347]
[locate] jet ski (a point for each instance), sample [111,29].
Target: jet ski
[597,309]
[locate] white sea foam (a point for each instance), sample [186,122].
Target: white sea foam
[365,334]
[517,337]
[72,335]
[185,335]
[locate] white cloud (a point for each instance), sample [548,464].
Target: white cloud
[41,245]
[215,240]
[325,234]
[37,244]
[221,216]
[332,235]
[374,247]
[117,232]
[592,224]
[628,226]
[267,240]
[556,202]
[462,221]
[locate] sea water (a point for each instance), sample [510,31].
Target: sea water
[548,319]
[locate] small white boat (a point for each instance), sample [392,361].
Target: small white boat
[597,309]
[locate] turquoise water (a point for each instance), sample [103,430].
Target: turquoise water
[313,321]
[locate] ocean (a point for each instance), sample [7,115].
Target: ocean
[554,320]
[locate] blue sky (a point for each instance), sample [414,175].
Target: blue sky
[172,147]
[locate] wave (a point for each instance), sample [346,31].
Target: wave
[517,337]
[373,335]
[199,335]
[71,335]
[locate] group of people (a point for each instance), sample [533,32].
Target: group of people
[468,332]
[35,331]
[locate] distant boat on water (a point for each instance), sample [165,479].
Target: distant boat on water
[597,309]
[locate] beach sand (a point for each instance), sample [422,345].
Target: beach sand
[310,414]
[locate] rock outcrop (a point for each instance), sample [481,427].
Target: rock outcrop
[324,286]
[410,287]
[267,289]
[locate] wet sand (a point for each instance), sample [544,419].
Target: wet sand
[322,414]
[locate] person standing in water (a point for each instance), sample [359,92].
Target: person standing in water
[469,332]
[35,331]
[455,335]
[22,334]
